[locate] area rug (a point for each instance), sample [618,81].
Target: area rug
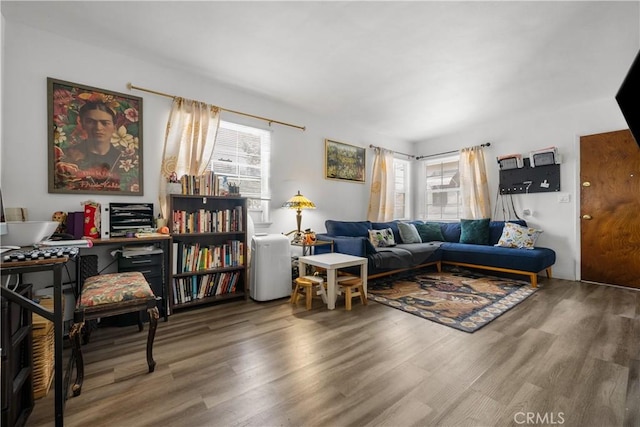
[458,298]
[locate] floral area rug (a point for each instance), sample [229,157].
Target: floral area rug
[459,298]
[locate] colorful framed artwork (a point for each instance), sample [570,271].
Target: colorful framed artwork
[344,162]
[94,140]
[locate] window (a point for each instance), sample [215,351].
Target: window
[401,193]
[243,154]
[442,190]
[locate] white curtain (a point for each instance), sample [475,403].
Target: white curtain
[189,141]
[381,202]
[473,184]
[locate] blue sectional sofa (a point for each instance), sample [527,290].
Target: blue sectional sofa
[352,237]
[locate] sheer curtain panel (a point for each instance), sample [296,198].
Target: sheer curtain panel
[381,203]
[189,141]
[473,184]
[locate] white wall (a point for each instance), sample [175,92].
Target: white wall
[30,56]
[520,135]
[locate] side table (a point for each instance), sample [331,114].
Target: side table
[308,248]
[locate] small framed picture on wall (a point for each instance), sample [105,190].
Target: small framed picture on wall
[94,140]
[344,162]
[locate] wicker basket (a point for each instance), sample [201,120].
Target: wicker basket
[43,351]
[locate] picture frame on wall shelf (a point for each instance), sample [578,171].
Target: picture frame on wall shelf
[344,162]
[94,140]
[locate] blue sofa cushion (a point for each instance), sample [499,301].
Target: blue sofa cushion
[474,231]
[533,260]
[348,228]
[450,231]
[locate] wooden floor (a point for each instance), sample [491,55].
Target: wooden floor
[568,355]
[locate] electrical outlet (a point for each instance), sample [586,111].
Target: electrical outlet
[564,198]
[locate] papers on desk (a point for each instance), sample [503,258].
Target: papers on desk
[80,243]
[138,250]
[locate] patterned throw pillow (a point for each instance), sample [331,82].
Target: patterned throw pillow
[408,233]
[382,238]
[518,236]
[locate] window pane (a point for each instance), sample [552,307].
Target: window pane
[401,200]
[243,154]
[442,193]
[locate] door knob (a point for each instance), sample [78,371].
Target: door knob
[586,216]
[586,184]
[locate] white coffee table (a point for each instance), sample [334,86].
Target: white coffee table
[332,262]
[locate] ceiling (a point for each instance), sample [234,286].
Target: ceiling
[409,70]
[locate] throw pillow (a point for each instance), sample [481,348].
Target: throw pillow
[382,238]
[408,233]
[518,236]
[430,231]
[474,231]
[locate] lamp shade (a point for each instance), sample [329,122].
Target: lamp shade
[299,202]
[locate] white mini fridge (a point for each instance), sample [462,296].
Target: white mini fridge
[270,270]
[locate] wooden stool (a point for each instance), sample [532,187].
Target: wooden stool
[352,288]
[108,295]
[308,283]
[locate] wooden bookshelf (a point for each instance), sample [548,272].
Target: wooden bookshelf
[209,249]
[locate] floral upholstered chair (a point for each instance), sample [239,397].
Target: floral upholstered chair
[106,295]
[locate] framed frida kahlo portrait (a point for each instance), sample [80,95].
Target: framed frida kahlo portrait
[343,161]
[94,140]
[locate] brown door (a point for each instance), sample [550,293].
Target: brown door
[610,208]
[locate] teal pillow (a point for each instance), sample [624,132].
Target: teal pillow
[430,231]
[408,233]
[475,231]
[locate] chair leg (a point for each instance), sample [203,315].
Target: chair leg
[295,294]
[153,324]
[140,320]
[347,297]
[309,295]
[74,337]
[363,298]
[88,327]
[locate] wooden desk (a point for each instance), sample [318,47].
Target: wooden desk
[56,316]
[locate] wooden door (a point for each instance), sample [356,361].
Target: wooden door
[610,208]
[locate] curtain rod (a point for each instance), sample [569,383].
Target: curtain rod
[397,152]
[130,87]
[487,144]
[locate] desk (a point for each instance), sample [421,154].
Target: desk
[55,266]
[332,262]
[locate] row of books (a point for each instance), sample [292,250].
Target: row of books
[207,184]
[190,257]
[186,289]
[207,221]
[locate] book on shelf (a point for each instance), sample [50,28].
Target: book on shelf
[194,257]
[192,288]
[208,184]
[207,221]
